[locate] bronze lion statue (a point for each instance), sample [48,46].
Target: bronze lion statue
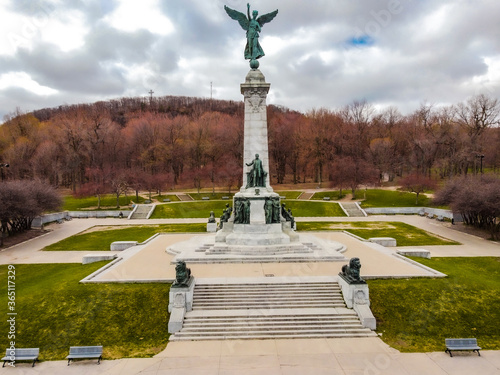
[182,274]
[352,271]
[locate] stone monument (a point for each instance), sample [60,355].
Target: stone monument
[257,219]
[258,227]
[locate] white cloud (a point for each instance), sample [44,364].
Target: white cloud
[135,15]
[66,30]
[23,80]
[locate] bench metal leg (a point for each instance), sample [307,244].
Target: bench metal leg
[479,354]
[34,361]
[4,363]
[69,360]
[99,360]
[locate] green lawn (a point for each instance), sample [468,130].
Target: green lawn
[56,312]
[108,202]
[212,196]
[334,195]
[389,198]
[289,194]
[102,239]
[172,197]
[405,234]
[416,315]
[197,209]
[314,209]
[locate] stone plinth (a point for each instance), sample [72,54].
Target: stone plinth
[92,258]
[257,234]
[180,301]
[122,245]
[357,297]
[421,253]
[384,241]
[212,227]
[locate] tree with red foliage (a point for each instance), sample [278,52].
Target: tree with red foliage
[476,198]
[417,183]
[23,200]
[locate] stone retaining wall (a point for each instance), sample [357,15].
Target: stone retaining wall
[49,218]
[427,211]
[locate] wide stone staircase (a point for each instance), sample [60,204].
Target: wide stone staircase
[142,211]
[284,308]
[352,209]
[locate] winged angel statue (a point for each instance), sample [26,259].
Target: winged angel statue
[252,26]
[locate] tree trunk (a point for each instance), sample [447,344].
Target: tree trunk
[98,201]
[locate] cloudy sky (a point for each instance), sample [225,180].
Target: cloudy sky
[319,53]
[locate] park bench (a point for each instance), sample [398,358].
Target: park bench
[326,198]
[205,198]
[166,200]
[461,344]
[85,352]
[21,354]
[225,197]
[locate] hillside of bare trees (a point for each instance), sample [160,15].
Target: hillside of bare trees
[180,142]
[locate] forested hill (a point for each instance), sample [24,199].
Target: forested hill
[197,142]
[122,109]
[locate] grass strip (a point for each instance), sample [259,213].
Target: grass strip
[405,234]
[99,240]
[416,315]
[56,312]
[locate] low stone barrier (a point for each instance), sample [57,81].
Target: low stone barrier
[92,258]
[427,211]
[421,253]
[122,245]
[384,241]
[68,215]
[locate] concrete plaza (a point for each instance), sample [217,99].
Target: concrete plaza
[298,356]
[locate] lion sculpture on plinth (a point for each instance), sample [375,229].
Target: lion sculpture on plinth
[182,275]
[352,271]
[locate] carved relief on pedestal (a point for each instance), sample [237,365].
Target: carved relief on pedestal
[256,99]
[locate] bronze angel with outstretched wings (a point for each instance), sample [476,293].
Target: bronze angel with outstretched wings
[252,25]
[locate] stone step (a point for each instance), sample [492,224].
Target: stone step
[269,310]
[266,291]
[278,327]
[188,324]
[265,319]
[263,297]
[261,305]
[276,258]
[270,334]
[267,287]
[257,295]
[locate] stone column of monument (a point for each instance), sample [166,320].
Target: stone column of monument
[255,91]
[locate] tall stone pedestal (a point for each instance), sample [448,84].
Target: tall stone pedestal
[254,229]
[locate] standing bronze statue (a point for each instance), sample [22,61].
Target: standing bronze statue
[253,26]
[257,176]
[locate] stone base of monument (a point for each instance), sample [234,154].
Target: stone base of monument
[180,302]
[356,297]
[306,248]
[257,234]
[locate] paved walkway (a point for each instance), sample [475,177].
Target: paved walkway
[361,356]
[283,357]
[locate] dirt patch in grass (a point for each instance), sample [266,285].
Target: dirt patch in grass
[22,237]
